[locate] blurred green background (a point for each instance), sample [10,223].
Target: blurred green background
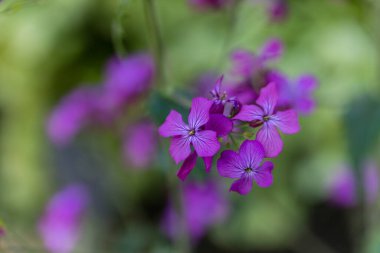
[49,47]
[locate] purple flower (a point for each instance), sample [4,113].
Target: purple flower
[2,229]
[246,167]
[203,206]
[125,79]
[296,94]
[183,135]
[223,104]
[264,114]
[245,64]
[140,144]
[72,114]
[278,10]
[343,185]
[208,4]
[60,225]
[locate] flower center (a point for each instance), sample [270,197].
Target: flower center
[247,170]
[266,118]
[192,132]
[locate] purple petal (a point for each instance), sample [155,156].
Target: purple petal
[263,175]
[180,148]
[205,143]
[244,63]
[140,144]
[243,185]
[229,165]
[173,125]
[271,140]
[307,83]
[187,166]
[249,113]
[272,50]
[268,98]
[208,163]
[219,124]
[286,121]
[305,106]
[343,188]
[278,10]
[251,154]
[199,113]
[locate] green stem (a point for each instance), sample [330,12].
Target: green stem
[155,37]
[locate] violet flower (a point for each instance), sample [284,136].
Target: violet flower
[264,114]
[125,79]
[223,104]
[72,114]
[184,136]
[245,64]
[203,206]
[246,167]
[140,144]
[296,94]
[60,225]
[343,190]
[278,10]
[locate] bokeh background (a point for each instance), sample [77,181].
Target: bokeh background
[48,48]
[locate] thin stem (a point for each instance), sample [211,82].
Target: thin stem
[155,36]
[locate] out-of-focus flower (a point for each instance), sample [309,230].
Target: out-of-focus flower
[245,64]
[140,144]
[203,206]
[246,167]
[209,4]
[205,142]
[126,79]
[343,190]
[296,94]
[264,114]
[60,225]
[278,10]
[73,113]
[2,229]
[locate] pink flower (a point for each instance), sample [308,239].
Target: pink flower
[203,205]
[245,166]
[60,225]
[264,114]
[140,144]
[184,136]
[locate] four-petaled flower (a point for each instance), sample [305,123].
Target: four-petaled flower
[245,166]
[184,135]
[264,114]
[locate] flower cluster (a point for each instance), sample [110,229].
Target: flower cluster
[264,108]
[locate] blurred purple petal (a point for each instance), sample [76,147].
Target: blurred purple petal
[272,50]
[208,163]
[187,166]
[60,225]
[140,144]
[244,63]
[278,10]
[208,4]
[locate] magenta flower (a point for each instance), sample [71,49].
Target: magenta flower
[245,64]
[60,225]
[264,114]
[140,144]
[296,94]
[223,104]
[278,10]
[203,205]
[127,78]
[75,111]
[342,188]
[246,167]
[184,136]
[208,4]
